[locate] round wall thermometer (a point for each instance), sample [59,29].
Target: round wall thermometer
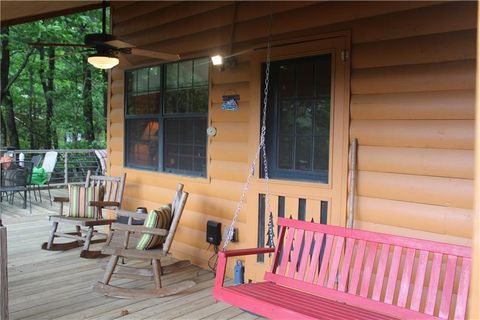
[211,131]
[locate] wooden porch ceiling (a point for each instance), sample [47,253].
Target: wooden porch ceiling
[16,12]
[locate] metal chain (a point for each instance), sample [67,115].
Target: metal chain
[261,148]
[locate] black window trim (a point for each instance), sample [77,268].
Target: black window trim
[160,117]
[273,125]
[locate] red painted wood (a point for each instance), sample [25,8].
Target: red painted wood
[406,278]
[433,284]
[357,267]
[286,249]
[419,279]
[348,299]
[314,261]
[367,269]
[392,276]
[337,254]
[305,255]
[406,242]
[283,296]
[276,257]
[380,276]
[448,287]
[297,246]
[325,259]
[347,258]
[463,286]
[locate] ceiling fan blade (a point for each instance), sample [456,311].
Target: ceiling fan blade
[69,54]
[119,44]
[53,44]
[155,54]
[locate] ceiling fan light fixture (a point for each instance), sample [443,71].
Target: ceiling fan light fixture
[103,61]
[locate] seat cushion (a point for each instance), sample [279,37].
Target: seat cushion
[158,219]
[80,197]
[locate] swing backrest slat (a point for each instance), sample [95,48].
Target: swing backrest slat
[418,275]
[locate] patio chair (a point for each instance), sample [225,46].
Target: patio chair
[85,211]
[15,178]
[159,232]
[48,165]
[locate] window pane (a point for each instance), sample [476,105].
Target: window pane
[142,81]
[322,117]
[154,79]
[142,143]
[171,102]
[143,91]
[185,74]
[305,79]
[200,99]
[304,119]
[287,117]
[320,160]
[184,101]
[200,75]
[172,75]
[286,80]
[285,154]
[186,141]
[303,153]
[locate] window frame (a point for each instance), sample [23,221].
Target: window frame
[161,117]
[273,125]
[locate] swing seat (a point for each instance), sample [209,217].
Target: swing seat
[327,272]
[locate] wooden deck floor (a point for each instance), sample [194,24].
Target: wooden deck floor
[57,285]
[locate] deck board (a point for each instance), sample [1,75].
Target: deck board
[58,285]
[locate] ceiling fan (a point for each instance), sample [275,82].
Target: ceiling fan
[106,46]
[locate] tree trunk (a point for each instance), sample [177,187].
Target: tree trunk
[31,115]
[47,85]
[11,128]
[88,102]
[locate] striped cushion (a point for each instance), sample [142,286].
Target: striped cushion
[80,197]
[159,219]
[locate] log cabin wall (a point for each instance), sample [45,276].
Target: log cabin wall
[411,108]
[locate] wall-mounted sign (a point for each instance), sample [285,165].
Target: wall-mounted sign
[230,102]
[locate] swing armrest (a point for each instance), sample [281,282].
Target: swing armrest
[139,229]
[222,264]
[61,199]
[245,252]
[102,204]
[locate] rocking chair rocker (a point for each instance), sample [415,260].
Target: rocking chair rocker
[112,188]
[153,255]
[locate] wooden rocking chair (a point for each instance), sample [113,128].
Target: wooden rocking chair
[112,199]
[153,255]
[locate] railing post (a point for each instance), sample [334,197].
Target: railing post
[65,169]
[3,273]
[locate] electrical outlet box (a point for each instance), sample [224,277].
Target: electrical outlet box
[214,233]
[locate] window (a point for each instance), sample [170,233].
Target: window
[166,117]
[298,133]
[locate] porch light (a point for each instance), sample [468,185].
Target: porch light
[103,61]
[217,60]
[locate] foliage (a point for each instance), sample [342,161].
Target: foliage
[29,99]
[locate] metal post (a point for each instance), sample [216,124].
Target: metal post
[3,273]
[65,169]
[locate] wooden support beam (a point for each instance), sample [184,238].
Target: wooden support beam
[474,307]
[3,274]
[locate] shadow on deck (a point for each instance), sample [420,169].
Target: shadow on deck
[58,285]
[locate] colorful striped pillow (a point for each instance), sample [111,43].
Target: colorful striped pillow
[159,219]
[80,197]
